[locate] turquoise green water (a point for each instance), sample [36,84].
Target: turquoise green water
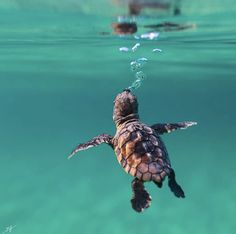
[58,79]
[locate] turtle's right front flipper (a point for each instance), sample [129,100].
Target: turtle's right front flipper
[103,138]
[170,127]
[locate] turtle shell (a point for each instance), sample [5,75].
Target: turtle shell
[141,152]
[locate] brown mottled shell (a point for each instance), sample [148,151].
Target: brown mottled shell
[141,152]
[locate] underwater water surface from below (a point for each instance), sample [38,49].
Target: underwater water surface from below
[58,78]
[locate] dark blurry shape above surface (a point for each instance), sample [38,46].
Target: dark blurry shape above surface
[124,28]
[168,26]
[135,8]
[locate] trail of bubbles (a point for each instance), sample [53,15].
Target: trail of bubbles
[148,36]
[137,65]
[140,76]
[134,66]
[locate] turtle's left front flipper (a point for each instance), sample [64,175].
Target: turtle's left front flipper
[169,127]
[103,138]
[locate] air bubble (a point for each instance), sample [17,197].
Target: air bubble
[150,36]
[138,64]
[136,84]
[135,47]
[156,50]
[134,66]
[140,76]
[142,60]
[124,49]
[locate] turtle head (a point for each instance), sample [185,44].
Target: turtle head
[125,107]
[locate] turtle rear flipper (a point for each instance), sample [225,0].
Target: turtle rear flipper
[141,198]
[174,186]
[103,138]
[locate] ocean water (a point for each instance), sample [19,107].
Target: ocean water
[60,70]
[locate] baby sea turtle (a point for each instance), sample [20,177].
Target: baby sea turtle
[139,149]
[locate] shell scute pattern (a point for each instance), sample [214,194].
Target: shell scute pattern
[124,138]
[141,147]
[141,152]
[123,153]
[147,176]
[130,128]
[130,149]
[135,159]
[147,158]
[131,160]
[163,174]
[133,171]
[139,174]
[120,157]
[142,167]
[123,162]
[154,167]
[156,178]
[147,129]
[149,146]
[153,140]
[122,131]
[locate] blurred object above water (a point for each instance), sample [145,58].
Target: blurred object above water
[136,7]
[168,26]
[124,28]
